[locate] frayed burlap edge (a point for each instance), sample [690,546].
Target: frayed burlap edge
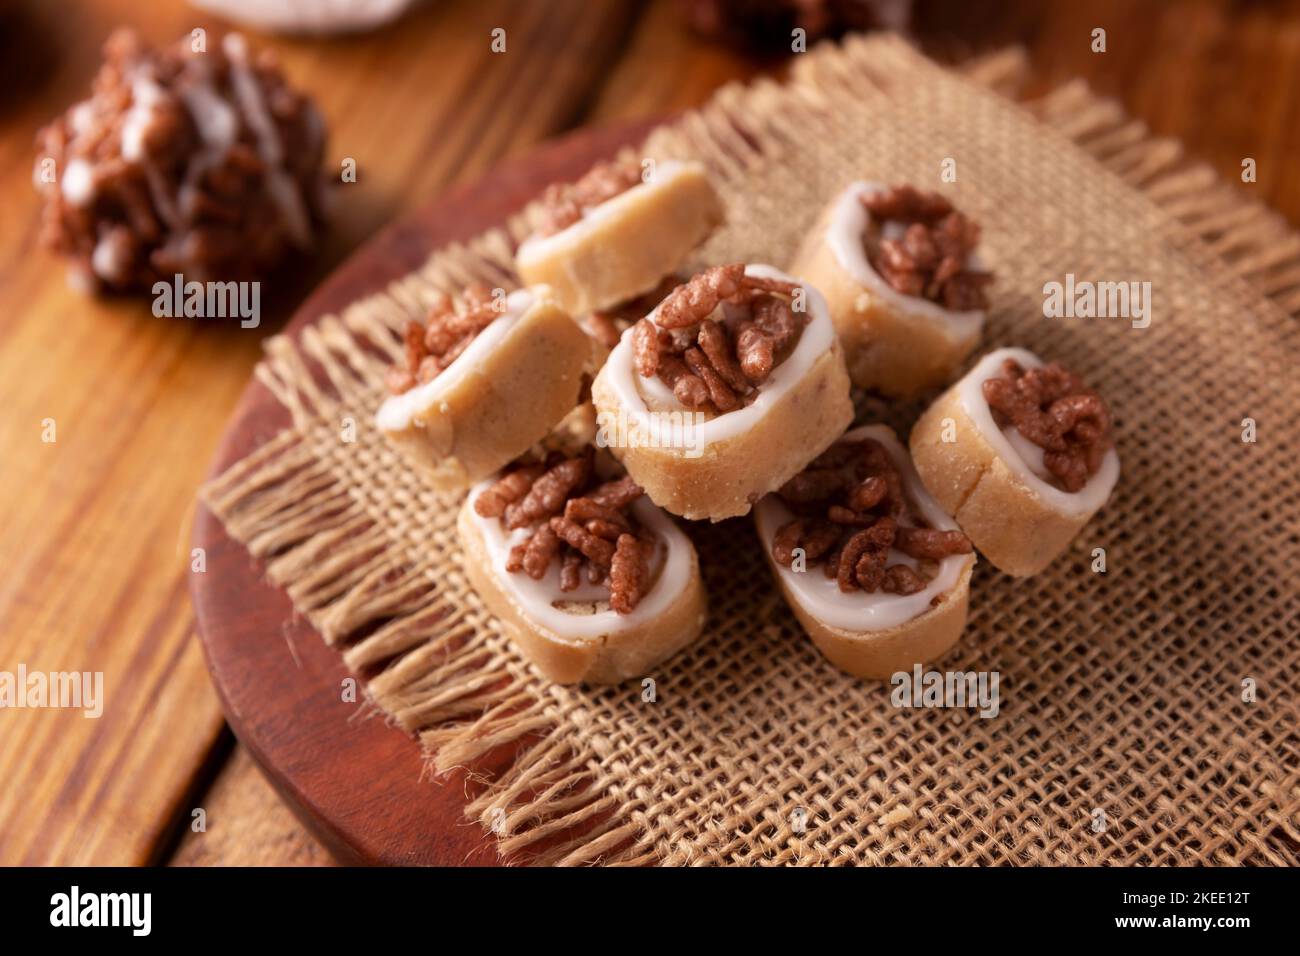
[449,675]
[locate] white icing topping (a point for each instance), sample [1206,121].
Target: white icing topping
[112,256]
[78,182]
[162,199]
[536,247]
[1023,457]
[279,184]
[399,412]
[632,390]
[214,118]
[217,124]
[848,222]
[1034,456]
[860,611]
[81,117]
[146,94]
[670,571]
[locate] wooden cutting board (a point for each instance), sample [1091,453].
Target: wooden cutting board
[357,783]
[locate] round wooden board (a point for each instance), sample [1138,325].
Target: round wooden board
[356,783]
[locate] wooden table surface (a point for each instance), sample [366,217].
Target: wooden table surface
[95,525]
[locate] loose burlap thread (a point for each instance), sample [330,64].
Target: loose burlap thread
[1125,734]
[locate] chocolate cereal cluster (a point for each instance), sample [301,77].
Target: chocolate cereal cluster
[198,159]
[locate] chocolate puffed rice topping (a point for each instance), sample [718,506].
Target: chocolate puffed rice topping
[582,522]
[446,332]
[852,509]
[1054,409]
[563,204]
[716,360]
[929,258]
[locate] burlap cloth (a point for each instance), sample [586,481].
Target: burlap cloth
[1120,692]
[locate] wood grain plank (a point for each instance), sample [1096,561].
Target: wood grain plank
[1221,77]
[95,537]
[668,68]
[247,824]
